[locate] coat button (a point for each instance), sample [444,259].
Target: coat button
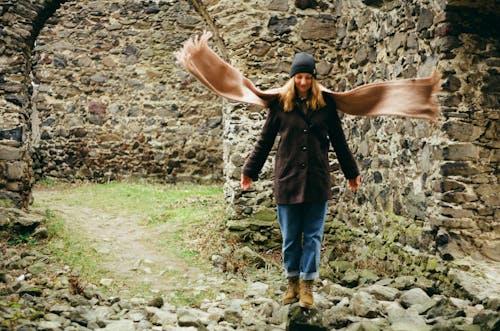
[305,130]
[303,165]
[304,148]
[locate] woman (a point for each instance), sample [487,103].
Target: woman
[304,114]
[307,122]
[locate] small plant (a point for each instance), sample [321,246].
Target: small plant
[22,239]
[47,182]
[189,253]
[191,298]
[54,223]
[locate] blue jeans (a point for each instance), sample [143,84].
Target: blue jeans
[302,228]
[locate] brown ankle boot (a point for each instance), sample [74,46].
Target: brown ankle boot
[292,292]
[306,299]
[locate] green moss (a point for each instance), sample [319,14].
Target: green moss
[264,215]
[304,319]
[6,203]
[325,272]
[378,245]
[37,315]
[341,266]
[432,264]
[258,237]
[236,225]
[15,305]
[367,276]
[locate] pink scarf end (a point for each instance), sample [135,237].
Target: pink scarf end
[192,46]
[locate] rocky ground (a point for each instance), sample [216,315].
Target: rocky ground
[39,293]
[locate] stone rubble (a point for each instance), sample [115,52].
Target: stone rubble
[37,293]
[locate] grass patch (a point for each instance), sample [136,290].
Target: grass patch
[158,203]
[183,220]
[191,299]
[72,248]
[48,182]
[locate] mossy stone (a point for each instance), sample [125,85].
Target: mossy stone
[341,266]
[6,203]
[301,319]
[432,264]
[265,215]
[350,279]
[367,277]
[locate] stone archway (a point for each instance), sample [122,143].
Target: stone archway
[21,23]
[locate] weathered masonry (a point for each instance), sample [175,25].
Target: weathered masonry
[96,95]
[91,91]
[443,178]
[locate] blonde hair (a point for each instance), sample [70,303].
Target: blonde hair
[314,102]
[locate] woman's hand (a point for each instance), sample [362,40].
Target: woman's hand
[245,182]
[354,183]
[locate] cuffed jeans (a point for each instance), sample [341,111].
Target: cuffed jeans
[302,228]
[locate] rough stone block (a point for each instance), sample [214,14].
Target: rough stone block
[457,212]
[451,84]
[459,197]
[365,305]
[446,44]
[279,26]
[397,41]
[459,223]
[449,185]
[458,169]
[13,134]
[15,170]
[361,55]
[315,29]
[300,319]
[461,152]
[278,5]
[491,249]
[375,3]
[425,19]
[16,186]
[491,83]
[11,153]
[462,131]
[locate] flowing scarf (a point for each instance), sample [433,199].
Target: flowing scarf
[406,97]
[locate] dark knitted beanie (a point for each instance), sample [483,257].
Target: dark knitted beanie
[303,62]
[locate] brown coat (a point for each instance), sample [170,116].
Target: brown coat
[302,172]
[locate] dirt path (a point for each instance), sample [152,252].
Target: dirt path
[136,257]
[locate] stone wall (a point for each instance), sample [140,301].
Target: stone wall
[111,101]
[424,186]
[469,190]
[355,43]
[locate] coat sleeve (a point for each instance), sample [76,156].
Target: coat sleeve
[337,138]
[265,142]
